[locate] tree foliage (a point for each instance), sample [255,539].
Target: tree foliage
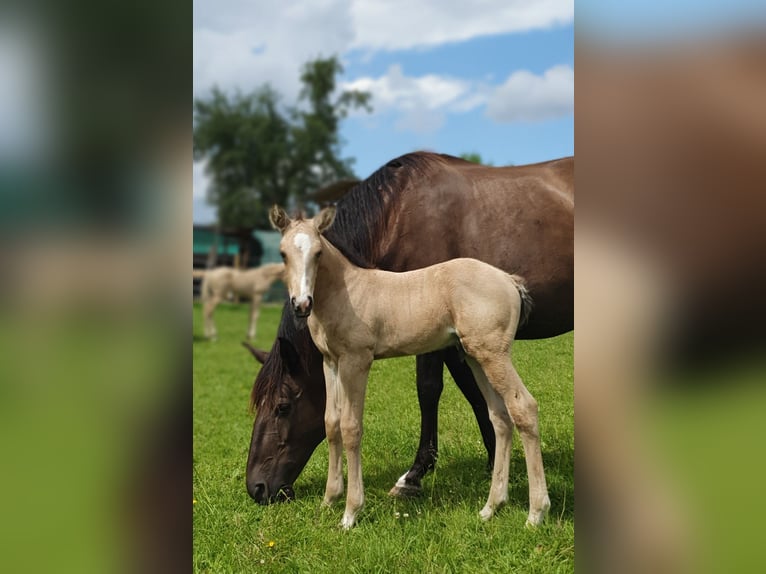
[260,151]
[474,157]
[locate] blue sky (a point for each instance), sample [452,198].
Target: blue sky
[494,77]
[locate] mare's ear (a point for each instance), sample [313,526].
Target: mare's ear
[259,354]
[324,219]
[289,356]
[278,218]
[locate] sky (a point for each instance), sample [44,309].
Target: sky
[493,77]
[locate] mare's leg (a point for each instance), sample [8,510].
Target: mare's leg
[523,410]
[255,309]
[464,378]
[211,302]
[503,431]
[334,487]
[430,381]
[353,373]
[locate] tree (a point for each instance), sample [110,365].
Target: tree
[261,152]
[245,141]
[473,157]
[316,139]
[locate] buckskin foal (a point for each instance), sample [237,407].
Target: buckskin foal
[355,315]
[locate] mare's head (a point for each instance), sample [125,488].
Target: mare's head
[289,399]
[301,248]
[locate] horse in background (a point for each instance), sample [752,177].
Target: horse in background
[356,315]
[223,282]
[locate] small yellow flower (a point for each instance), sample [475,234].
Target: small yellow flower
[194,501]
[271,543]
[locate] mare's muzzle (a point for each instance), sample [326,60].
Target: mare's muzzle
[302,309]
[260,493]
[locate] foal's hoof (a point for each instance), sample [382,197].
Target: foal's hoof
[535,519]
[404,489]
[347,523]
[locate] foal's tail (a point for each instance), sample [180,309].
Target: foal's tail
[526,301]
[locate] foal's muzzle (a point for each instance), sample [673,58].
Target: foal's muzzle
[302,309]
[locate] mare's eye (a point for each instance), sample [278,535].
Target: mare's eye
[283,409]
[318,255]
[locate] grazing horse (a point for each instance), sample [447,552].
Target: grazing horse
[356,315]
[218,283]
[415,211]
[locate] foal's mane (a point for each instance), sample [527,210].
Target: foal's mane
[362,220]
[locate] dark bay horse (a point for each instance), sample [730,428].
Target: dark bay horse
[520,219]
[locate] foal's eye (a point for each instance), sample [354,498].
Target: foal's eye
[283,409]
[283,256]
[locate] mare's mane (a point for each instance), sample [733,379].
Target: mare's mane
[274,369]
[366,211]
[361,222]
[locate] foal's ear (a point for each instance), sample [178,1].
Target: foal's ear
[278,218]
[259,354]
[289,356]
[324,219]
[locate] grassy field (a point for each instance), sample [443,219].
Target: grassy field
[438,532]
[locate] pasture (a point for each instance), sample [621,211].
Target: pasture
[438,532]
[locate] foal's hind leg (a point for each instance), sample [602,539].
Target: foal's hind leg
[523,410]
[466,382]
[503,427]
[430,384]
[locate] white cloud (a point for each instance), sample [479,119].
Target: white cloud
[421,102]
[242,44]
[527,97]
[245,43]
[394,90]
[405,24]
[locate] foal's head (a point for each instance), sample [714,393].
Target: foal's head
[301,248]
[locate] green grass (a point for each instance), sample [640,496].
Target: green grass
[438,532]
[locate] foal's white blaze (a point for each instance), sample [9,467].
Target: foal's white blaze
[303,242]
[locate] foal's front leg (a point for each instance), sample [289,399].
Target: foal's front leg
[208,307]
[334,487]
[353,373]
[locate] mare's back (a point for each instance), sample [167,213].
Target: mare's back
[519,219]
